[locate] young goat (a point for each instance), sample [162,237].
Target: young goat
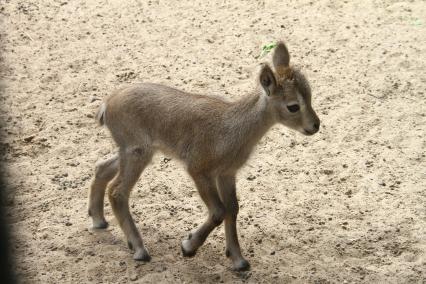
[212,137]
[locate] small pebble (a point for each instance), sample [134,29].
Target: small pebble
[251,177]
[93,99]
[29,138]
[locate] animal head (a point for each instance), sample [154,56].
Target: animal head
[289,93]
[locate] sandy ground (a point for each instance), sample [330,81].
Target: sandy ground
[344,206]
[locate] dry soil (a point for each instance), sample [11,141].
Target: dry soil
[344,206]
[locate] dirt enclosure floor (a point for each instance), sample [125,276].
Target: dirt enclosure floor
[346,205]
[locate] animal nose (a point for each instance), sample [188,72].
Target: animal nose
[316,126]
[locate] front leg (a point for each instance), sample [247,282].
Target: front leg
[227,191]
[207,189]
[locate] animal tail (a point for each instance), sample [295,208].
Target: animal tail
[100,115]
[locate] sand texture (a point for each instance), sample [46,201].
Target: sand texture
[344,206]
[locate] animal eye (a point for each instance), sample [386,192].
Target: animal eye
[293,108]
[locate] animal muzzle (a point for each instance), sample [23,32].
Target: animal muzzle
[312,125]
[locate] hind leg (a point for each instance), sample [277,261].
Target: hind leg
[133,160]
[105,171]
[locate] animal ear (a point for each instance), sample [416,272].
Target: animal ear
[267,79]
[281,57]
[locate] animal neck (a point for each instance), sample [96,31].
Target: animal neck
[251,117]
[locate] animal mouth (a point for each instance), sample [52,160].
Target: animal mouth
[308,132]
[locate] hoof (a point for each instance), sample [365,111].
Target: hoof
[227,253]
[141,255]
[100,224]
[186,252]
[242,265]
[129,245]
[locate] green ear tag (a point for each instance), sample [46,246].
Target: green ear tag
[267,48]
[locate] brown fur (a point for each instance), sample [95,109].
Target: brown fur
[212,137]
